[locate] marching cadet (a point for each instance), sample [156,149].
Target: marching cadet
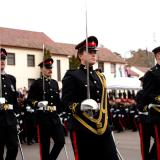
[145,126]
[30,124]
[8,108]
[44,96]
[90,131]
[151,95]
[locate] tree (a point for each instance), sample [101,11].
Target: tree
[47,54]
[142,58]
[74,62]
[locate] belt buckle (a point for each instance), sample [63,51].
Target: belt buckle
[6,107]
[51,108]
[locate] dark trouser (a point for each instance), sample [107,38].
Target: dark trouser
[157,139]
[87,145]
[30,127]
[55,132]
[8,138]
[155,119]
[146,131]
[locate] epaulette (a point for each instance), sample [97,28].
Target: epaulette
[100,73]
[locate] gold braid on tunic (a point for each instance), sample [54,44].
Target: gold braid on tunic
[99,124]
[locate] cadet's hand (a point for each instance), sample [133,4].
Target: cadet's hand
[2,101]
[157,99]
[29,109]
[42,104]
[19,122]
[89,104]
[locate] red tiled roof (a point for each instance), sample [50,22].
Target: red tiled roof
[27,39]
[68,48]
[107,55]
[131,73]
[143,69]
[35,40]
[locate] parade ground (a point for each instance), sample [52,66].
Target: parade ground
[127,142]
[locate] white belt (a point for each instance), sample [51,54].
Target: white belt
[48,108]
[143,113]
[8,107]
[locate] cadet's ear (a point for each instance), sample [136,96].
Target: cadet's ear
[79,55]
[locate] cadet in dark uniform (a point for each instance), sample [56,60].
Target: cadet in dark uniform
[90,131]
[151,94]
[44,96]
[8,108]
[145,126]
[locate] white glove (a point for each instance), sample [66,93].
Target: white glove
[43,104]
[153,106]
[17,115]
[2,100]
[89,104]
[29,109]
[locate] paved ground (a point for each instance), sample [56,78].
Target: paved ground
[127,143]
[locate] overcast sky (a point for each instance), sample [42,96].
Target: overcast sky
[119,25]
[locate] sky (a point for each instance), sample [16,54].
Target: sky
[119,25]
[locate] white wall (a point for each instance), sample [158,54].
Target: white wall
[64,67]
[22,72]
[107,70]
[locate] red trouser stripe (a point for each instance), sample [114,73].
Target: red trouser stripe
[157,142]
[74,142]
[40,146]
[141,140]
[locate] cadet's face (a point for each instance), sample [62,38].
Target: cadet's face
[46,72]
[90,57]
[157,56]
[2,64]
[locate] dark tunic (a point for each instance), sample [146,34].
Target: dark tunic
[151,95]
[49,122]
[8,120]
[91,137]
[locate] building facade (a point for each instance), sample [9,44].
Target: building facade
[25,52]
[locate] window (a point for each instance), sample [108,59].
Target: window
[101,66]
[30,81]
[58,70]
[30,60]
[11,58]
[113,68]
